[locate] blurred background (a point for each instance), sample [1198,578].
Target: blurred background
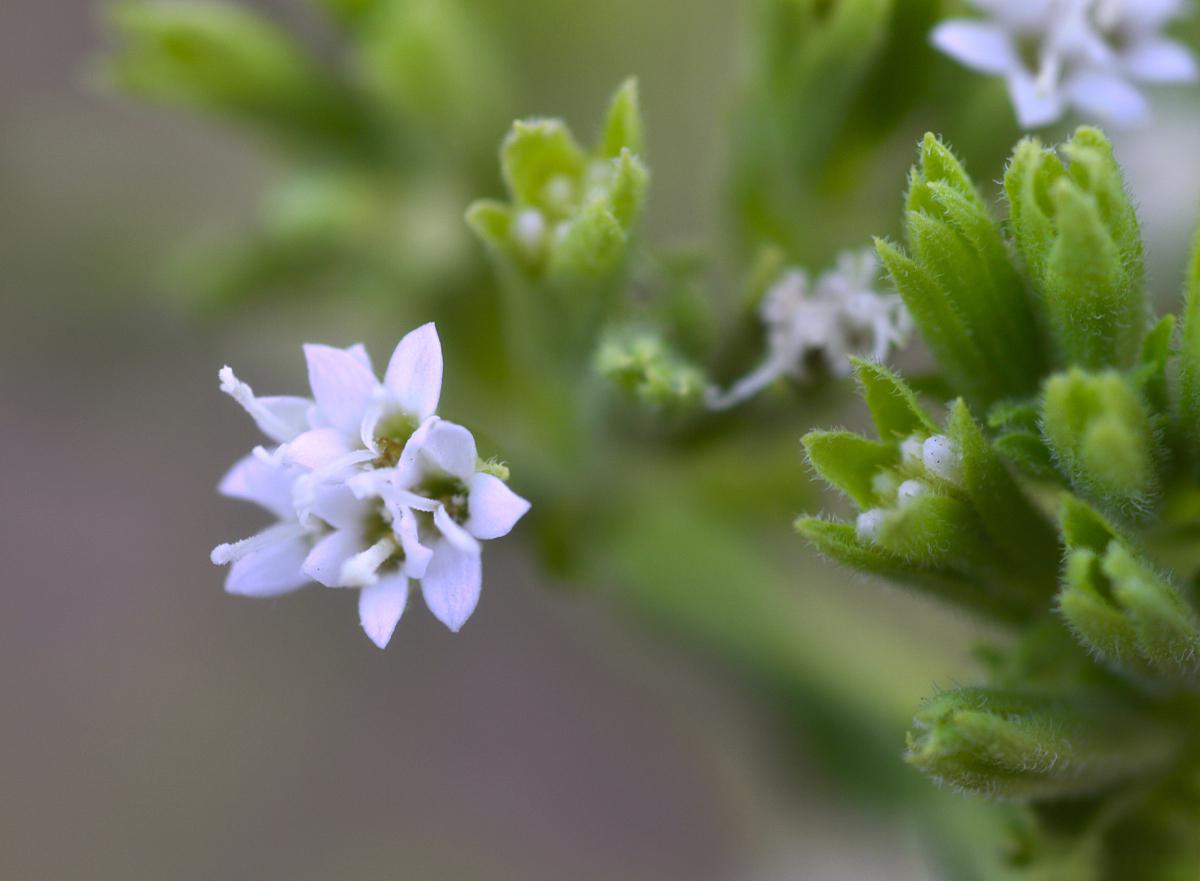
[155,728]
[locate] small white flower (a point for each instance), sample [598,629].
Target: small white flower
[910,490]
[370,488]
[868,523]
[458,505]
[1080,54]
[843,314]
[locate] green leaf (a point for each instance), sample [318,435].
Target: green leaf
[941,325]
[591,244]
[1037,746]
[1189,355]
[1103,440]
[894,407]
[542,165]
[1010,520]
[850,462]
[225,59]
[492,222]
[627,192]
[623,124]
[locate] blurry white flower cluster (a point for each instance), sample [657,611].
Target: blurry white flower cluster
[1081,54]
[841,315]
[372,490]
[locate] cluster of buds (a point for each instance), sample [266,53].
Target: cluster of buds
[1042,326]
[372,490]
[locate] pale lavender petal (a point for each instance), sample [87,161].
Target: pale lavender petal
[493,508]
[380,606]
[325,561]
[451,584]
[342,385]
[1160,61]
[450,448]
[279,418]
[453,532]
[271,571]
[360,353]
[980,46]
[317,448]
[1107,96]
[414,374]
[1034,108]
[416,555]
[339,507]
[254,480]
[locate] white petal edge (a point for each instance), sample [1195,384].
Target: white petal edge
[380,606]
[451,584]
[493,508]
[279,418]
[253,479]
[450,448]
[269,572]
[1160,61]
[1033,108]
[342,385]
[980,46]
[414,373]
[325,561]
[1107,96]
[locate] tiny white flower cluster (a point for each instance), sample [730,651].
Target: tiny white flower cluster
[843,314]
[1080,54]
[927,461]
[372,490]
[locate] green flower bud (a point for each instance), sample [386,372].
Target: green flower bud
[1011,744]
[1078,234]
[1102,438]
[642,365]
[572,211]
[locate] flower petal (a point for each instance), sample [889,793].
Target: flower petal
[451,584]
[271,571]
[317,448]
[339,507]
[1034,107]
[450,448]
[980,46]
[380,607]
[414,374]
[254,480]
[493,508]
[416,555]
[1107,96]
[279,418]
[1156,60]
[342,385]
[453,532]
[325,561]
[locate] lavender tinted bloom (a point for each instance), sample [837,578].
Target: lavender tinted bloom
[842,314]
[370,488]
[1086,55]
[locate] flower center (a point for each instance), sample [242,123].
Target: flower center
[450,491]
[391,435]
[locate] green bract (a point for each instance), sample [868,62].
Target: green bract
[1092,414]
[571,211]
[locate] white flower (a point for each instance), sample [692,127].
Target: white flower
[1080,54]
[457,505]
[344,482]
[841,315]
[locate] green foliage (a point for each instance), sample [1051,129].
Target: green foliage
[1082,392]
[571,211]
[641,364]
[1078,235]
[1102,437]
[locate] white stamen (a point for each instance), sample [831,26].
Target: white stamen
[232,552]
[244,395]
[360,570]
